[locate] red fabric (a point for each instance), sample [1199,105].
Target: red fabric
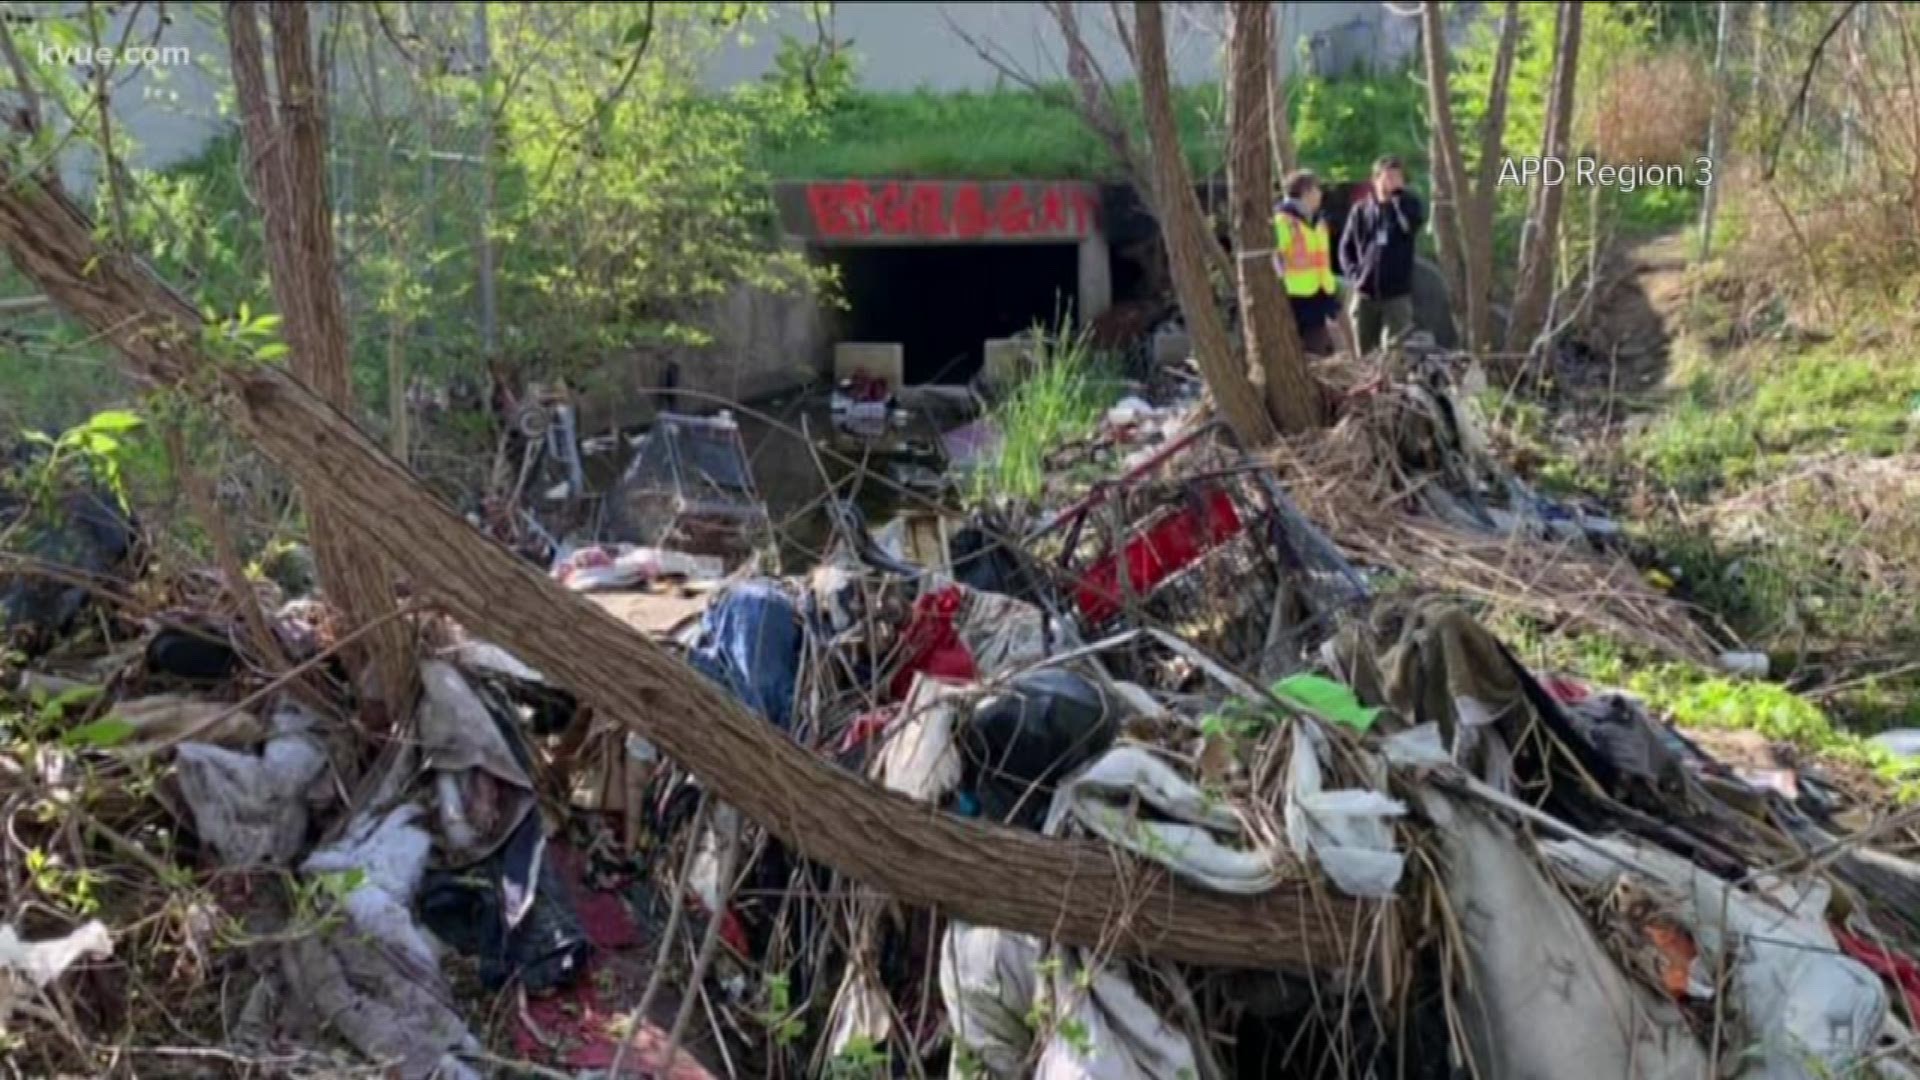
[1564,690]
[1167,547]
[864,729]
[1885,963]
[931,644]
[576,1030]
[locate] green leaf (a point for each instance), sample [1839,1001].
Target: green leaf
[637,32]
[78,695]
[272,350]
[113,420]
[109,731]
[102,443]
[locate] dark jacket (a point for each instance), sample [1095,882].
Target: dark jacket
[1376,248]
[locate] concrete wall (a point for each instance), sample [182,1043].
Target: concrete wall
[908,46]
[764,343]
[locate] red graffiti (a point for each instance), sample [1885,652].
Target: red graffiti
[847,209]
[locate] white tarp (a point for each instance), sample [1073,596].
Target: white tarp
[1808,1010]
[1545,1001]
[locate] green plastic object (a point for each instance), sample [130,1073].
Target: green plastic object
[1327,699]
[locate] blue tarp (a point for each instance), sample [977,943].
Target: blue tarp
[749,643]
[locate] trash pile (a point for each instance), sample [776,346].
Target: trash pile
[1514,874]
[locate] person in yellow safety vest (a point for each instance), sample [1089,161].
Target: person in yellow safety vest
[1303,256]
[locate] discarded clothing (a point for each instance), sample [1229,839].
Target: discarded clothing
[932,645]
[993,981]
[1808,1009]
[1347,831]
[480,783]
[252,808]
[1002,634]
[1618,728]
[513,912]
[960,634]
[197,651]
[749,643]
[1019,743]
[1890,965]
[1102,798]
[376,979]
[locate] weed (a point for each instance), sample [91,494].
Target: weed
[860,1059]
[1062,400]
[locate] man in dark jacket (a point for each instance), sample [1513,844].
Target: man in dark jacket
[1376,251]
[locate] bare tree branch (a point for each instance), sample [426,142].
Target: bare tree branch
[1806,82]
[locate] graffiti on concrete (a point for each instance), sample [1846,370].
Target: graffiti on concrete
[852,210]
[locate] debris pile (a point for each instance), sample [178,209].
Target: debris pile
[1499,872]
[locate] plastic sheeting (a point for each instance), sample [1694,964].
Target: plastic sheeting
[1102,798]
[30,966]
[1809,1010]
[1546,1002]
[993,982]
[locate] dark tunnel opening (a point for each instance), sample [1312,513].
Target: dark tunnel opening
[943,301]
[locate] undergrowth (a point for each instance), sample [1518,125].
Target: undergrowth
[1697,697]
[1749,415]
[989,135]
[1067,391]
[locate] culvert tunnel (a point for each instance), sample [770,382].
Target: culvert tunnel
[941,266]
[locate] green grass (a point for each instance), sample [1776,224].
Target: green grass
[1063,400]
[1697,697]
[991,135]
[1742,418]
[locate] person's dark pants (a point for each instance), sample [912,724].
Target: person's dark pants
[1379,321]
[1312,314]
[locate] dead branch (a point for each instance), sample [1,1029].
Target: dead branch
[1806,83]
[1051,887]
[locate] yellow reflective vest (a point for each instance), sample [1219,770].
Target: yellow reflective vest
[1303,255]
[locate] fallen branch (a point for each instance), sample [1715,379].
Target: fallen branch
[1077,892]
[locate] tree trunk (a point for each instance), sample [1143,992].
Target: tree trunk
[1477,210]
[1450,189]
[1184,228]
[489,311]
[1098,111]
[1266,318]
[286,159]
[1540,243]
[1716,128]
[1083,894]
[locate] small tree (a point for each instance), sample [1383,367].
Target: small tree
[1539,238]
